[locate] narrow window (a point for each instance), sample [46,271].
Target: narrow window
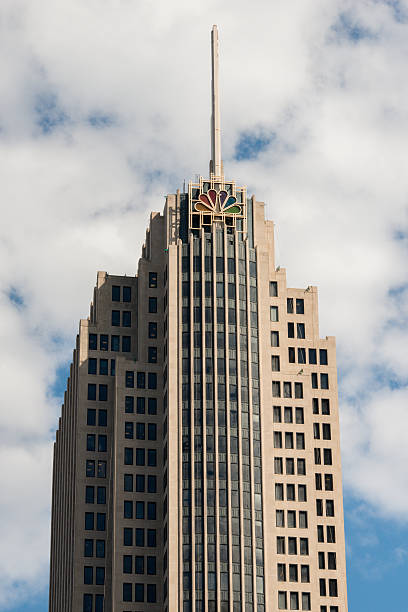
[325,406]
[127,294]
[324,381]
[126,318]
[301,355]
[152,304]
[93,342]
[300,306]
[273,289]
[281,572]
[126,344]
[276,388]
[275,363]
[292,354]
[103,393]
[153,280]
[314,381]
[291,330]
[298,390]
[274,338]
[274,314]
[293,572]
[300,329]
[115,318]
[289,305]
[323,356]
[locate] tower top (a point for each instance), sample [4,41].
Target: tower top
[216,167]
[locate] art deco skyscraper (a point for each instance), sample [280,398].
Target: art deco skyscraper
[197,460]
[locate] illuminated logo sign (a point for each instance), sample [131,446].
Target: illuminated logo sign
[217,202]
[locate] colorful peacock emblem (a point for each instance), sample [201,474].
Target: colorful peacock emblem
[218,202]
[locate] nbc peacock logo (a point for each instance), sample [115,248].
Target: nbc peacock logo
[217,202]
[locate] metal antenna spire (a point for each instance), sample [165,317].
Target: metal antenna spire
[216,166]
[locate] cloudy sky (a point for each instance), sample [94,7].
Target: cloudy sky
[104,108]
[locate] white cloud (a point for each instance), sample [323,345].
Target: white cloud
[328,79]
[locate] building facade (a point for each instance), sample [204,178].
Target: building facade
[197,459]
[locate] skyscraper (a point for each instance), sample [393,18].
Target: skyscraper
[197,460]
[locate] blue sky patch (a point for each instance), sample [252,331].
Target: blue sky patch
[49,115]
[251,144]
[351,29]
[16,297]
[101,121]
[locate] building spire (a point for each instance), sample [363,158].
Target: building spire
[216,166]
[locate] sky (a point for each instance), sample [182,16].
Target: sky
[104,109]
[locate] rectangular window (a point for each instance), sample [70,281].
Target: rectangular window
[319,507]
[129,404]
[152,405]
[281,572]
[103,393]
[90,442]
[89,495]
[303,546]
[292,546]
[292,354]
[299,416]
[306,597]
[115,293]
[152,457]
[140,456]
[152,329]
[326,431]
[129,379]
[291,330]
[287,389]
[298,390]
[291,518]
[277,439]
[101,495]
[151,538]
[140,431]
[91,391]
[126,318]
[115,320]
[115,343]
[153,280]
[152,304]
[92,365]
[91,417]
[314,381]
[87,603]
[274,314]
[126,344]
[112,367]
[315,403]
[312,356]
[282,605]
[273,289]
[280,545]
[152,380]
[127,564]
[102,443]
[275,363]
[276,388]
[128,482]
[301,355]
[274,338]
[129,430]
[301,467]
[152,354]
[300,329]
[324,381]
[302,493]
[331,534]
[300,441]
[331,561]
[294,601]
[280,518]
[303,519]
[323,356]
[103,367]
[328,482]
[127,294]
[101,469]
[277,414]
[140,483]
[127,591]
[152,431]
[327,454]
[329,507]
[288,439]
[290,466]
[93,342]
[104,342]
[88,575]
[300,306]
[278,465]
[128,456]
[325,406]
[289,305]
[333,587]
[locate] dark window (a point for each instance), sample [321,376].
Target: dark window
[331,534]
[152,431]
[91,391]
[116,318]
[151,484]
[325,406]
[314,381]
[300,328]
[300,306]
[101,521]
[140,405]
[115,293]
[129,433]
[151,538]
[92,365]
[326,431]
[104,342]
[103,367]
[103,393]
[291,330]
[88,548]
[152,405]
[151,592]
[292,355]
[101,469]
[127,564]
[126,318]
[141,380]
[89,495]
[128,509]
[139,510]
[91,417]
[327,456]
[324,381]
[100,576]
[127,591]
[90,442]
[153,280]
[102,418]
[126,344]
[140,431]
[113,367]
[139,565]
[151,566]
[89,520]
[101,495]
[289,305]
[115,343]
[152,354]
[152,329]
[100,549]
[128,482]
[88,575]
[127,536]
[140,456]
[87,603]
[139,537]
[152,304]
[127,294]
[152,457]
[93,342]
[273,288]
[139,592]
[129,379]
[323,356]
[298,390]
[332,587]
[128,456]
[152,380]
[129,404]
[312,356]
[90,468]
[151,511]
